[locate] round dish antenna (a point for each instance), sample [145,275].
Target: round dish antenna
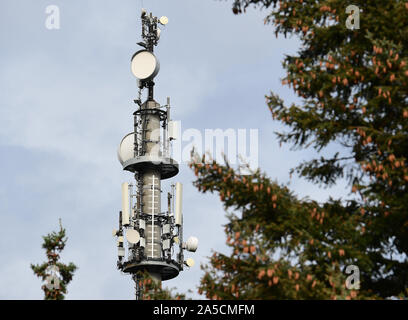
[190,262]
[144,65]
[191,244]
[126,148]
[164,20]
[132,236]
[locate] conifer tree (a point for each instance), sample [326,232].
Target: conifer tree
[55,274]
[353,86]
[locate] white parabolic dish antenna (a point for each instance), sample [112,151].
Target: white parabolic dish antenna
[144,65]
[192,244]
[164,20]
[190,262]
[132,236]
[126,147]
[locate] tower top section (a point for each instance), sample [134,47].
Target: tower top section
[150,30]
[144,64]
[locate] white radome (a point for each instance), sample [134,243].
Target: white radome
[126,148]
[191,244]
[132,236]
[164,20]
[190,262]
[144,65]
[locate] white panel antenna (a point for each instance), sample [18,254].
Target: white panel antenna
[166,229]
[142,224]
[120,241]
[179,199]
[125,204]
[166,244]
[174,129]
[142,242]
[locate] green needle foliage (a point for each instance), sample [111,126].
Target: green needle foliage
[353,90]
[54,289]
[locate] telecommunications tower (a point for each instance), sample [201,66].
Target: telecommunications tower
[150,238]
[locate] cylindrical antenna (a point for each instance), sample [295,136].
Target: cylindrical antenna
[179,199]
[173,195]
[169,204]
[125,204]
[131,211]
[168,108]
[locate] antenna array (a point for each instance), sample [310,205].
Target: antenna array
[150,238]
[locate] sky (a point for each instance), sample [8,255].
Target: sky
[66,101]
